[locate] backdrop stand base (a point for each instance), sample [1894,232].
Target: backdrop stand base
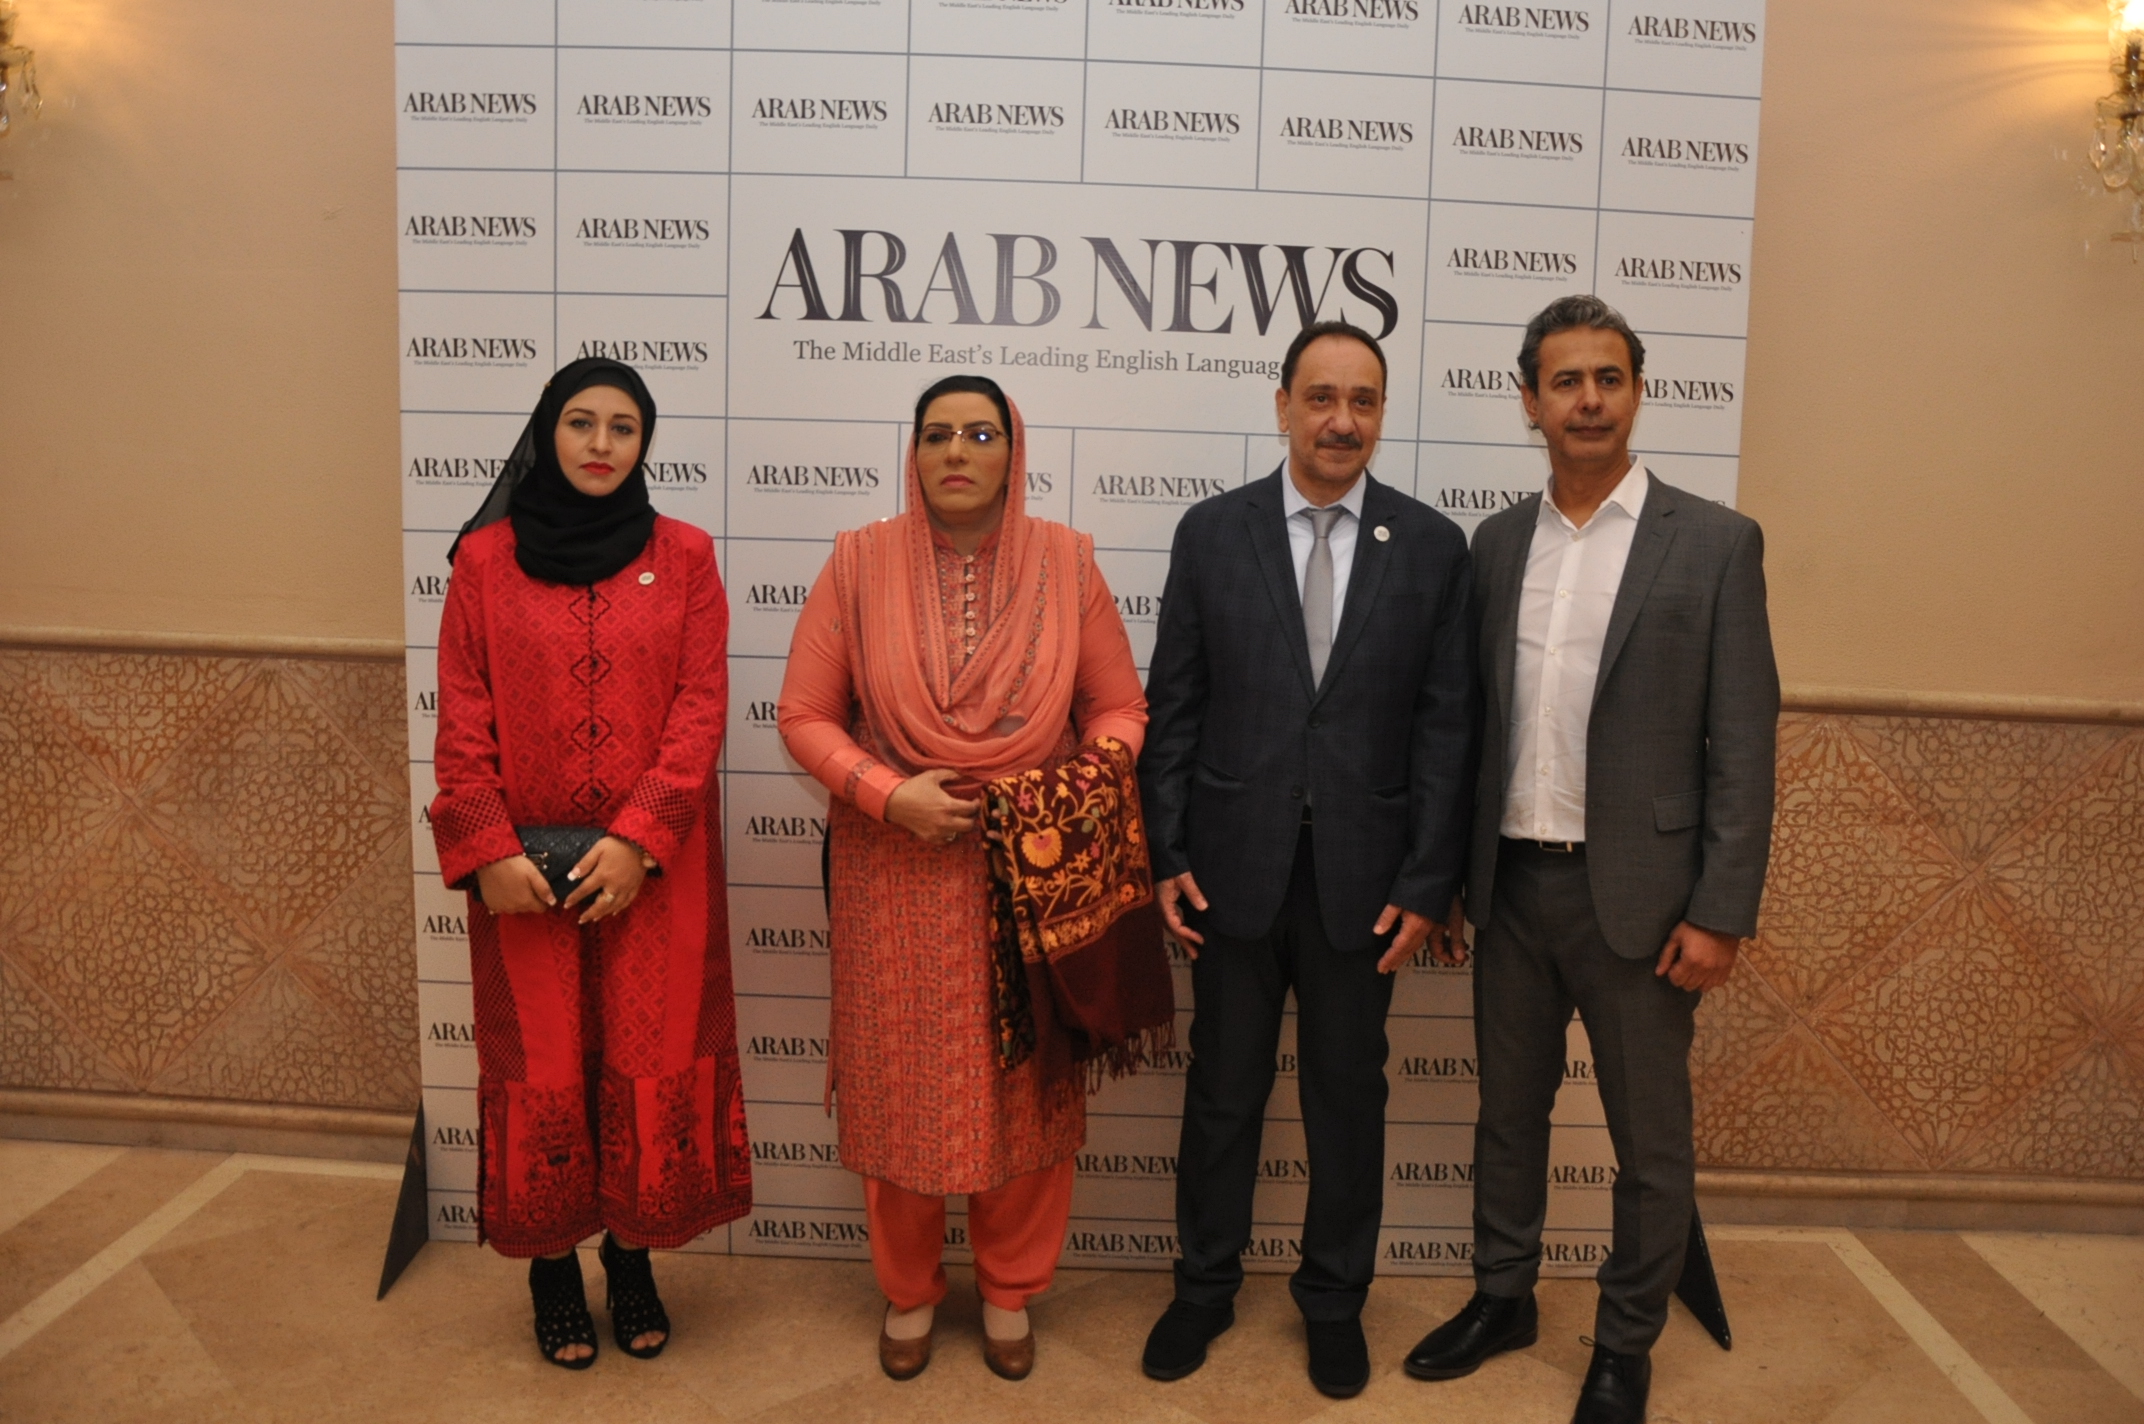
[412,1227]
[1699,1288]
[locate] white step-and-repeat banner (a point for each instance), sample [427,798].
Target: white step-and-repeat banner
[792,215]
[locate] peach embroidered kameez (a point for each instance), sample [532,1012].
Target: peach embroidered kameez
[921,1099]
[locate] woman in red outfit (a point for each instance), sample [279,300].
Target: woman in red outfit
[954,643]
[583,687]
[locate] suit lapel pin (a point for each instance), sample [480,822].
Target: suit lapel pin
[1384,533]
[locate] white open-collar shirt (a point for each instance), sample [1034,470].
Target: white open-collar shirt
[1302,538]
[1572,574]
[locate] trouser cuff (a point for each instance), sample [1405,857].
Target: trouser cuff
[1209,1293]
[1508,1282]
[1616,1330]
[1329,1305]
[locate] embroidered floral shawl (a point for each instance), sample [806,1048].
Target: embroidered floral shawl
[1078,931]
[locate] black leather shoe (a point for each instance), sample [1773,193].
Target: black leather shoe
[1615,1389]
[1486,1325]
[1339,1357]
[1177,1344]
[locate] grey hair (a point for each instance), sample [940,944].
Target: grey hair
[1569,314]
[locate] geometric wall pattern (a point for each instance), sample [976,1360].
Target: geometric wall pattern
[1948,973]
[204,892]
[204,878]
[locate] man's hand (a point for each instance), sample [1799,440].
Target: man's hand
[921,807]
[514,886]
[1171,891]
[1447,942]
[1452,949]
[1414,929]
[1698,958]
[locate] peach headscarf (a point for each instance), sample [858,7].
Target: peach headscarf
[1005,710]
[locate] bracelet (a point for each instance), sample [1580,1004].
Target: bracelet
[647,862]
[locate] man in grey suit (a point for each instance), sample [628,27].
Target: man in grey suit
[1623,816]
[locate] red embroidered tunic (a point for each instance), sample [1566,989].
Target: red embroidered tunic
[912,1062]
[609,1093]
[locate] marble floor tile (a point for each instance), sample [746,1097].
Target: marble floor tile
[1254,1374]
[34,1173]
[2092,1287]
[753,1333]
[1807,1338]
[1905,1387]
[75,1225]
[1807,1334]
[270,1206]
[1067,1387]
[276,1279]
[125,1350]
[2050,1376]
[260,1308]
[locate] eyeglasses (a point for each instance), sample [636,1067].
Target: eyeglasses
[982,435]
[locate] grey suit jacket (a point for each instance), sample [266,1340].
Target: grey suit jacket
[1680,741]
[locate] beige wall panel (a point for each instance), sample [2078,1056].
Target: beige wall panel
[1942,438]
[198,322]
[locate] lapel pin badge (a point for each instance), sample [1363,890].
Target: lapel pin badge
[1384,533]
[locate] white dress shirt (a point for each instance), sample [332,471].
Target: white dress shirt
[1302,538]
[1572,574]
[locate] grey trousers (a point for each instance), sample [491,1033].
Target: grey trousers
[1540,956]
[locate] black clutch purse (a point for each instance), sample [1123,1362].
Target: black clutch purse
[556,850]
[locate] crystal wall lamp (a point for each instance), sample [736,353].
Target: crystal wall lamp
[19,98]
[2118,141]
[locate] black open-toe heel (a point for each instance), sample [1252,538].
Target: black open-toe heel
[562,1316]
[629,1291]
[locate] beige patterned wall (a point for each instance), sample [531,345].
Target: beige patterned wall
[204,892]
[1949,969]
[204,878]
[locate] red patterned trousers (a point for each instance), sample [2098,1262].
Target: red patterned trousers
[608,1088]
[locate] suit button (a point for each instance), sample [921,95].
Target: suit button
[1317,721]
[1295,792]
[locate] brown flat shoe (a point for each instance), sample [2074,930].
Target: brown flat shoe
[1010,1359]
[903,1359]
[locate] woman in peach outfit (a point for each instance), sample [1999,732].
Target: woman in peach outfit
[959,641]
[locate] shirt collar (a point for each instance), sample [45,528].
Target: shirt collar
[1628,497]
[1292,502]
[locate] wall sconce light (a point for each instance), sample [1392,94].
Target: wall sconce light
[19,98]
[2118,140]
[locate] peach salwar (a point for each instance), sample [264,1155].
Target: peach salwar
[1017,1230]
[908,657]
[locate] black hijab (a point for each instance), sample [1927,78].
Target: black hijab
[560,534]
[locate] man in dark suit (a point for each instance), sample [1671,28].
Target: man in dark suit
[1622,822]
[1307,781]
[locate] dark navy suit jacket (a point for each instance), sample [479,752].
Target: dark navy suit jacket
[1237,737]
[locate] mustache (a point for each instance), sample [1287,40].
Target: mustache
[1349,441]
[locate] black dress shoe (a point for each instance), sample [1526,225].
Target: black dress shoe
[1339,1357]
[1486,1325]
[1177,1344]
[1615,1389]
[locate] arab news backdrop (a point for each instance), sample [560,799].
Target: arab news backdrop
[792,215]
